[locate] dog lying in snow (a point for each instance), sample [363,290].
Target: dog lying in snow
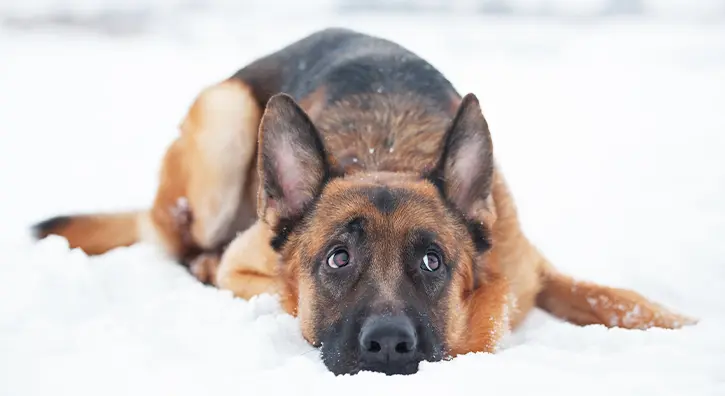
[347,175]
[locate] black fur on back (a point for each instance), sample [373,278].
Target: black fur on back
[346,63]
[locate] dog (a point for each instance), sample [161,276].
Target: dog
[347,175]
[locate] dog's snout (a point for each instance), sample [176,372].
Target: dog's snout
[388,344]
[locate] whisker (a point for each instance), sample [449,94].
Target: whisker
[306,352]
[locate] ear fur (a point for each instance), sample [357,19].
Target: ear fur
[464,172]
[292,162]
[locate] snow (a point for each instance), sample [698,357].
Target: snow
[610,134]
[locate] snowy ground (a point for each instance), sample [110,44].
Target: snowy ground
[611,135]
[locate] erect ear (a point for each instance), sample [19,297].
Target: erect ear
[292,163]
[464,171]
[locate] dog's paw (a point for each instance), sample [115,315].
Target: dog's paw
[672,320]
[204,268]
[630,310]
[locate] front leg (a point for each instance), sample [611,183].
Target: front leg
[248,266]
[204,267]
[586,303]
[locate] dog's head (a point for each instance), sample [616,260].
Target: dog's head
[381,267]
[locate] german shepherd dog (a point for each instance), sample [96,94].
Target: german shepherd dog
[347,175]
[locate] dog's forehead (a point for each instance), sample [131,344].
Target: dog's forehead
[400,202]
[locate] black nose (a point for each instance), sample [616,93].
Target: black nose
[388,344]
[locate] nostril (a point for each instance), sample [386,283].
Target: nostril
[402,347]
[387,340]
[374,347]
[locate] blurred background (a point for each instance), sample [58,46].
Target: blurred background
[136,16]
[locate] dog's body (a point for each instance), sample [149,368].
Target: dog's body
[375,151]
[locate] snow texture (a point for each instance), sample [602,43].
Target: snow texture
[610,134]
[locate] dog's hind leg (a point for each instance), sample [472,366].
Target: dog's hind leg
[207,185]
[219,135]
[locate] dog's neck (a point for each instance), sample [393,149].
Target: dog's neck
[382,132]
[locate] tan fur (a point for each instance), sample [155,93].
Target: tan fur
[96,234]
[519,261]
[249,265]
[205,267]
[218,144]
[483,316]
[586,303]
[395,134]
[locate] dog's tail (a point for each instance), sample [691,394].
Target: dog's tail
[585,303]
[94,233]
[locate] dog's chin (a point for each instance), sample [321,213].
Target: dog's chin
[337,361]
[353,369]
[406,369]
[340,363]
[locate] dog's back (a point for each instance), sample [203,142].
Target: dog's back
[379,106]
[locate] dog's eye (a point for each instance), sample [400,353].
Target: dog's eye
[431,262]
[338,258]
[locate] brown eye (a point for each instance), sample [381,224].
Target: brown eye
[431,262]
[338,258]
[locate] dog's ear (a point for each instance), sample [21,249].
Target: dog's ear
[292,163]
[464,171]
